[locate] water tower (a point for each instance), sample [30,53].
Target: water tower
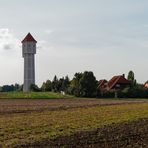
[28,52]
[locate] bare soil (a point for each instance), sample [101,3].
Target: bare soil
[126,135]
[8,106]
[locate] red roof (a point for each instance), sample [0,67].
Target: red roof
[29,38]
[102,83]
[117,80]
[146,84]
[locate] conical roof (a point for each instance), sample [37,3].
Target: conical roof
[29,38]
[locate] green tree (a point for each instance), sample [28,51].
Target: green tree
[83,85]
[60,86]
[1,89]
[65,84]
[131,78]
[74,87]
[17,87]
[43,87]
[55,84]
[47,86]
[88,84]
[34,88]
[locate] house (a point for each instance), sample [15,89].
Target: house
[102,84]
[146,84]
[118,82]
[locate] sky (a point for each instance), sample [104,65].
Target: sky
[108,37]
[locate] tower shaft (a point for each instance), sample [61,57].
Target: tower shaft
[29,71]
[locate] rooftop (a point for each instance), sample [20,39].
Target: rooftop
[117,79]
[29,38]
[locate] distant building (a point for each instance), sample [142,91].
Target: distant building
[102,84]
[146,84]
[28,52]
[118,82]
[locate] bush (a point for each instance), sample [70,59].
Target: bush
[34,88]
[105,94]
[136,92]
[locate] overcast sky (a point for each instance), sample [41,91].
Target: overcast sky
[108,37]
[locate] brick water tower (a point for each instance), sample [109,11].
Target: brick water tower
[28,52]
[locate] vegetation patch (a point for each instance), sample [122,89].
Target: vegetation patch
[33,95]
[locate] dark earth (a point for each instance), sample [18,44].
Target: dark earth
[125,135]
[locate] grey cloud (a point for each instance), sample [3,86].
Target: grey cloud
[7,46]
[7,40]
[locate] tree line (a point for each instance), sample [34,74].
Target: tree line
[86,85]
[83,84]
[12,87]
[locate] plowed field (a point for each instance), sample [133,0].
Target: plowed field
[73,123]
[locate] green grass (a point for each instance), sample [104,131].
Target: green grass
[37,126]
[33,95]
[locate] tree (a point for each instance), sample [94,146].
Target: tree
[34,88]
[46,86]
[1,89]
[7,88]
[17,87]
[88,84]
[83,85]
[131,78]
[75,85]
[65,84]
[55,84]
[43,87]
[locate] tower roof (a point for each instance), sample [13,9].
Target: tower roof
[29,38]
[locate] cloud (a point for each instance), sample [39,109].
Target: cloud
[8,46]
[7,40]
